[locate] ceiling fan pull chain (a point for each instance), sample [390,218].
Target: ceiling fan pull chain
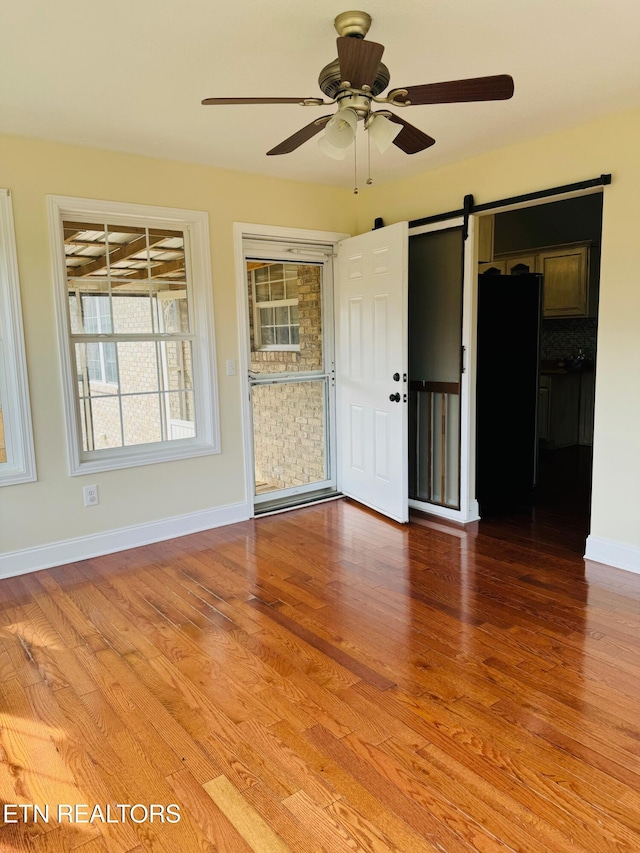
[369,178]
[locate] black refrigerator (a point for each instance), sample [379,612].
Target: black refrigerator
[509,317]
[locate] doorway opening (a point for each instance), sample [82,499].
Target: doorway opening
[551,369]
[291,374]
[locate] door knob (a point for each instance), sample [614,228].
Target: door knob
[396,377]
[395,398]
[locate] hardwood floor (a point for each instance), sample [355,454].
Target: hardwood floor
[325,680]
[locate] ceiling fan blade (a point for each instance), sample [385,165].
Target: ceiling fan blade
[411,139]
[300,136]
[359,60]
[496,88]
[222,101]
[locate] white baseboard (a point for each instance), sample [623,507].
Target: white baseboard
[612,553]
[98,544]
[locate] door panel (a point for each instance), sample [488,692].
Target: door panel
[371,308]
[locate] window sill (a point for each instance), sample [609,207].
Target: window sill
[104,460]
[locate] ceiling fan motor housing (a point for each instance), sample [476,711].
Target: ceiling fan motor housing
[330,80]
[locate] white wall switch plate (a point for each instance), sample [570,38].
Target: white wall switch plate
[231,367]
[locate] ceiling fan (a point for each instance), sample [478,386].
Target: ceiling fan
[355,80]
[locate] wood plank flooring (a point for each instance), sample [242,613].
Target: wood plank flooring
[325,680]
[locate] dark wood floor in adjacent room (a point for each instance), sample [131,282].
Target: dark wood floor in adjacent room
[327,680]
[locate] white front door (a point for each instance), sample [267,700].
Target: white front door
[371,361]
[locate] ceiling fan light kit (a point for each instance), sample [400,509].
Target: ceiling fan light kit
[382,132]
[355,80]
[330,150]
[340,130]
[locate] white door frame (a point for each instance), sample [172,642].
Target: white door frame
[469,510]
[246,231]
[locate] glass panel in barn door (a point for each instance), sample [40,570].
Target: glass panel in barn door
[435,366]
[289,379]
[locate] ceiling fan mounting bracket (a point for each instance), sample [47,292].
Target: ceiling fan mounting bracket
[354,24]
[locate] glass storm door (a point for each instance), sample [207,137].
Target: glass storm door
[290,373]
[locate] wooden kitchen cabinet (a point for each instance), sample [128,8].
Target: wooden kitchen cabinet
[520,265]
[559,410]
[566,275]
[485,238]
[492,268]
[511,265]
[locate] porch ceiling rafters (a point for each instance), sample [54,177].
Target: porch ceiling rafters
[143,256]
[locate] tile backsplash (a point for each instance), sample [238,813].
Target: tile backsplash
[563,338]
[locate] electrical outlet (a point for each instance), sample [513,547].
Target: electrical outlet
[231,367]
[90,494]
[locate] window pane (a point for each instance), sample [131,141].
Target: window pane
[266,316]
[177,365]
[102,423]
[282,316]
[291,271]
[282,335]
[128,252]
[96,314]
[167,259]
[292,289]
[299,410]
[267,335]
[96,371]
[295,335]
[141,419]
[261,275]
[294,315]
[276,272]
[172,311]
[277,290]
[138,364]
[180,415]
[131,309]
[85,249]
[110,363]
[262,292]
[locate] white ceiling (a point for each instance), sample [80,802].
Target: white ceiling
[129,75]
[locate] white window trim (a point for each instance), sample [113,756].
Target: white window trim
[20,466]
[195,223]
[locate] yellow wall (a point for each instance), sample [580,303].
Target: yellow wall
[610,145]
[51,509]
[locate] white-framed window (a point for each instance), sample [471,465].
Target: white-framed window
[17,461]
[135,322]
[276,324]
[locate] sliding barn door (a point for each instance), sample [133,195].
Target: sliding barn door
[372,389]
